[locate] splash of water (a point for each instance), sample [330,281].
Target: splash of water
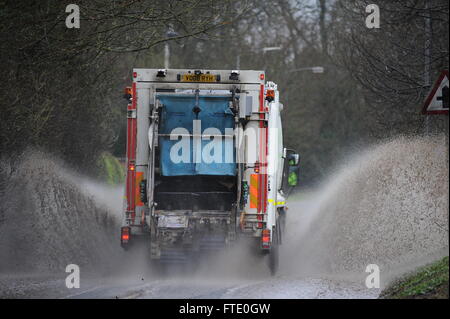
[387,206]
[50,217]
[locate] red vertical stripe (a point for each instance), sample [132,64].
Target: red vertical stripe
[131,157]
[266,142]
[262,177]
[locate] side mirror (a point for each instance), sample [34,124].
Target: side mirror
[295,158]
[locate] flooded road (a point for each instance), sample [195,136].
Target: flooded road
[204,284]
[386,206]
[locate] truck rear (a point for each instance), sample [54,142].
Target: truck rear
[205,163]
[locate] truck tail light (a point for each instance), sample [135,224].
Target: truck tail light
[125,234]
[256,167]
[265,238]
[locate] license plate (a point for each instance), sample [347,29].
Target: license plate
[198,78]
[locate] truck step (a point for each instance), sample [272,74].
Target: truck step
[254,220]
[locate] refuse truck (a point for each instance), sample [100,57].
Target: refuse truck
[206,164]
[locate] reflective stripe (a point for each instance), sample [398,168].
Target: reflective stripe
[253,190]
[139,178]
[275,203]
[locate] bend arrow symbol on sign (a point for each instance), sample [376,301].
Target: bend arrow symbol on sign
[444,97]
[437,100]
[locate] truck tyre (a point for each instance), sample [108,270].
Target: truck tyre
[273,260]
[274,253]
[282,219]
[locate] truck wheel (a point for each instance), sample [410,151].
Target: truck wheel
[274,253]
[282,219]
[273,260]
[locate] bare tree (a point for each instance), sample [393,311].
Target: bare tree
[394,63]
[60,86]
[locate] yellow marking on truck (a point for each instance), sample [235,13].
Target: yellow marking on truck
[275,203]
[198,78]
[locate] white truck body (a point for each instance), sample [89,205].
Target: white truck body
[173,201]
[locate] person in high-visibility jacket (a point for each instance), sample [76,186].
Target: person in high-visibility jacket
[292,177]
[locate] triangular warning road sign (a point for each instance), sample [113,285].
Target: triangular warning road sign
[437,100]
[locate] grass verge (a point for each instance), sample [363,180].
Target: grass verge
[429,282]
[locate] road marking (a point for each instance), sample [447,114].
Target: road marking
[80,293]
[132,296]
